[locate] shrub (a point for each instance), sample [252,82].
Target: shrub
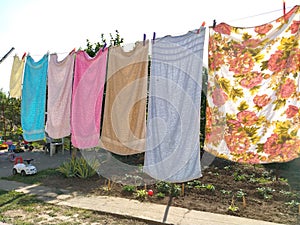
[77,167]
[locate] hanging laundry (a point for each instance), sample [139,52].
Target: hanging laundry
[253,91]
[15,85]
[89,78]
[34,99]
[60,78]
[173,123]
[124,121]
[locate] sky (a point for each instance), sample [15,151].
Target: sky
[41,26]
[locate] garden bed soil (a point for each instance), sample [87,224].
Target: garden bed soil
[225,188]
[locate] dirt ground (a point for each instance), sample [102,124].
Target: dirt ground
[225,188]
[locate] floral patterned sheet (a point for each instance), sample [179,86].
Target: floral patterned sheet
[253,96]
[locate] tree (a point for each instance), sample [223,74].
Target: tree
[92,49]
[10,120]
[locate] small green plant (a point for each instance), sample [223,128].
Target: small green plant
[233,208]
[210,187]
[160,195]
[292,203]
[283,179]
[175,190]
[141,194]
[193,183]
[289,194]
[163,187]
[265,192]
[239,177]
[240,194]
[227,168]
[225,192]
[128,188]
[136,180]
[105,189]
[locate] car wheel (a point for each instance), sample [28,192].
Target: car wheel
[23,173]
[14,171]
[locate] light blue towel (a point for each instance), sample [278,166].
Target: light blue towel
[34,99]
[173,124]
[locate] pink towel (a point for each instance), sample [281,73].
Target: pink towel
[60,78]
[89,78]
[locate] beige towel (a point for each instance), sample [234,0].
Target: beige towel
[123,130]
[15,86]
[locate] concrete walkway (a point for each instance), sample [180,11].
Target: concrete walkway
[131,208]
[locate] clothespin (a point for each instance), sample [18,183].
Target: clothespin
[202,25]
[24,55]
[73,50]
[284,12]
[104,46]
[283,7]
[144,39]
[214,23]
[154,35]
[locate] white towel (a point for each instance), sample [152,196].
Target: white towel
[173,124]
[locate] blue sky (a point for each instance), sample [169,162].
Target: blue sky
[38,26]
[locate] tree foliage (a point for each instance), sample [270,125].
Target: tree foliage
[10,119]
[92,49]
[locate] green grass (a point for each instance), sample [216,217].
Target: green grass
[23,209]
[34,179]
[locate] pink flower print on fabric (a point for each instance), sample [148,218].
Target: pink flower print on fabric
[219,97]
[261,100]
[288,88]
[291,111]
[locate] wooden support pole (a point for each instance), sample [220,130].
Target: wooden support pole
[109,185]
[182,190]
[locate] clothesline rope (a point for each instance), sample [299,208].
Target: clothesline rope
[260,14]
